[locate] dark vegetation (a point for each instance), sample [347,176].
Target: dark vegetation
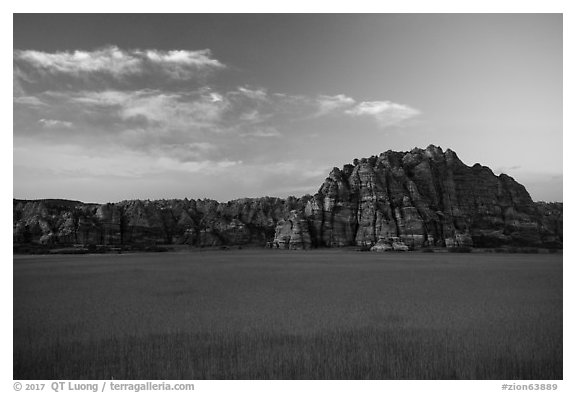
[272,314]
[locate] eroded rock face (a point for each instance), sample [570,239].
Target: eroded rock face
[194,222]
[292,233]
[424,197]
[427,197]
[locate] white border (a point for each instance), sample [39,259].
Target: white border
[302,6]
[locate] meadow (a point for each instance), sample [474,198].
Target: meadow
[274,314]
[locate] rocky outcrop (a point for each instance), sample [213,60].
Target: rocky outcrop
[194,222]
[292,233]
[550,214]
[389,244]
[424,197]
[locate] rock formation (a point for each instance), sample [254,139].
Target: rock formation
[148,223]
[292,233]
[425,197]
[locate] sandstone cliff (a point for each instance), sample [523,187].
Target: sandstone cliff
[193,222]
[425,197]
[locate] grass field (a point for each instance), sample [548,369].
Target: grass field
[272,314]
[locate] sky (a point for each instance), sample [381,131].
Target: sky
[135,106]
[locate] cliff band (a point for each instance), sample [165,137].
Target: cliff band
[425,197]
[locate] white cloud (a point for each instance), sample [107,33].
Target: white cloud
[119,63]
[199,58]
[29,100]
[263,132]
[165,107]
[51,123]
[150,113]
[97,98]
[111,60]
[180,64]
[240,109]
[386,113]
[254,94]
[175,111]
[327,104]
[163,110]
[215,97]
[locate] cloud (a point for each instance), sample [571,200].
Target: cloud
[253,94]
[215,97]
[132,114]
[328,104]
[199,58]
[174,110]
[50,123]
[32,65]
[161,110]
[245,111]
[186,152]
[104,98]
[186,127]
[110,60]
[170,164]
[29,100]
[74,161]
[265,132]
[189,125]
[386,113]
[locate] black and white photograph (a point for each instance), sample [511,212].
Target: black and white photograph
[287,196]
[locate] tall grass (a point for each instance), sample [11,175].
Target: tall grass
[367,353]
[265,315]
